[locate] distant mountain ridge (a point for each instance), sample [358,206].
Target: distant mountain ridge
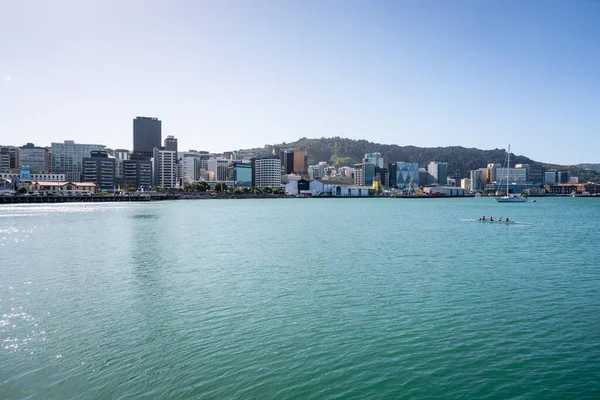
[341,151]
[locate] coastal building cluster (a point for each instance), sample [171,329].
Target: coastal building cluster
[154,164]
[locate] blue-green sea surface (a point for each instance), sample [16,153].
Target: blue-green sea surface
[300,298]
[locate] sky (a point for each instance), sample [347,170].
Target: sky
[224,75]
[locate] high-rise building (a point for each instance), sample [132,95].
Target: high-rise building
[171,143]
[374,158]
[551,177]
[300,162]
[164,168]
[67,158]
[439,172]
[137,171]
[36,158]
[147,134]
[100,169]
[266,171]
[9,158]
[359,177]
[287,161]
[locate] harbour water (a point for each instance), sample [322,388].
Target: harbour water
[300,298]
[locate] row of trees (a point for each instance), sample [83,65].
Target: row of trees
[220,187]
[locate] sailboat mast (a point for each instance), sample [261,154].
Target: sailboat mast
[507,169]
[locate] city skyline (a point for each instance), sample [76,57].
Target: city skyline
[232,75]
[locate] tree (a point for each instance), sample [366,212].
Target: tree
[267,190]
[238,192]
[22,190]
[200,186]
[130,188]
[220,187]
[158,188]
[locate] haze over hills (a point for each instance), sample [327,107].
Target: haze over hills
[341,151]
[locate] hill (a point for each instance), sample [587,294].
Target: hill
[340,151]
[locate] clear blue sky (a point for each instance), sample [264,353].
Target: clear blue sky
[224,75]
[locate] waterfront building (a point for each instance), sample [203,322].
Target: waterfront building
[25,175]
[9,158]
[563,176]
[100,169]
[137,171]
[67,158]
[241,173]
[147,134]
[441,190]
[439,172]
[266,171]
[36,158]
[404,173]
[62,188]
[164,168]
[331,188]
[297,186]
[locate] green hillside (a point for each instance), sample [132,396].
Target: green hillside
[340,151]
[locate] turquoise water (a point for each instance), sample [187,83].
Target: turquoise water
[300,298]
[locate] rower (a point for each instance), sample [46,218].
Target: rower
[500,220]
[491,219]
[506,219]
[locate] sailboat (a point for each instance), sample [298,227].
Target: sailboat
[510,198]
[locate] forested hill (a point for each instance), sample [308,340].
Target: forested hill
[340,151]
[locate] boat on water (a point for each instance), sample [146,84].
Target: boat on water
[510,198]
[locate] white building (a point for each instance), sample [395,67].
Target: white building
[439,172]
[337,189]
[267,171]
[444,191]
[26,176]
[515,175]
[164,168]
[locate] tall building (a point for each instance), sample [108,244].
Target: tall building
[171,143]
[100,169]
[267,171]
[147,134]
[300,162]
[137,171]
[9,158]
[67,158]
[287,161]
[439,172]
[164,168]
[374,158]
[36,158]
